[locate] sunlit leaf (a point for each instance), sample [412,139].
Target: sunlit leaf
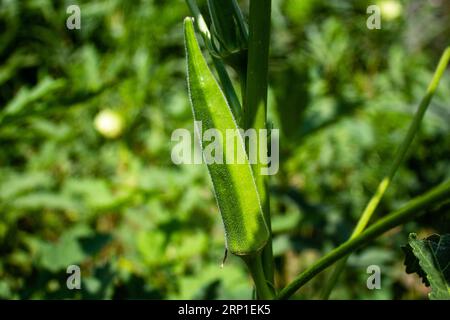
[430,258]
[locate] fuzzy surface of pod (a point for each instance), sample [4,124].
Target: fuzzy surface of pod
[234,185]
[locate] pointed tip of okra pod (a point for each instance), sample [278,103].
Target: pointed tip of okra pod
[189,30]
[188,22]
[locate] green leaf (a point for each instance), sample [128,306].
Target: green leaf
[234,184]
[430,259]
[26,96]
[73,247]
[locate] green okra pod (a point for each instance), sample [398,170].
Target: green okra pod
[234,185]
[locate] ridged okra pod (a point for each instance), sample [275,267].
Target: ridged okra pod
[246,231]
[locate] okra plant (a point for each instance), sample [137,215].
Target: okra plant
[241,188]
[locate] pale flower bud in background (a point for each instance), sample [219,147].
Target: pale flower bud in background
[390,9]
[109,123]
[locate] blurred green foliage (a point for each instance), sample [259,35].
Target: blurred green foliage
[141,227]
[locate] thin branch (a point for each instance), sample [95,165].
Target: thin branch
[411,210]
[398,160]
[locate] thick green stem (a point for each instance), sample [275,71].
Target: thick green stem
[398,159]
[263,291]
[255,104]
[411,210]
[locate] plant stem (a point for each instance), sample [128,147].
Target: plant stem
[263,291]
[255,104]
[228,89]
[227,85]
[398,159]
[411,210]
